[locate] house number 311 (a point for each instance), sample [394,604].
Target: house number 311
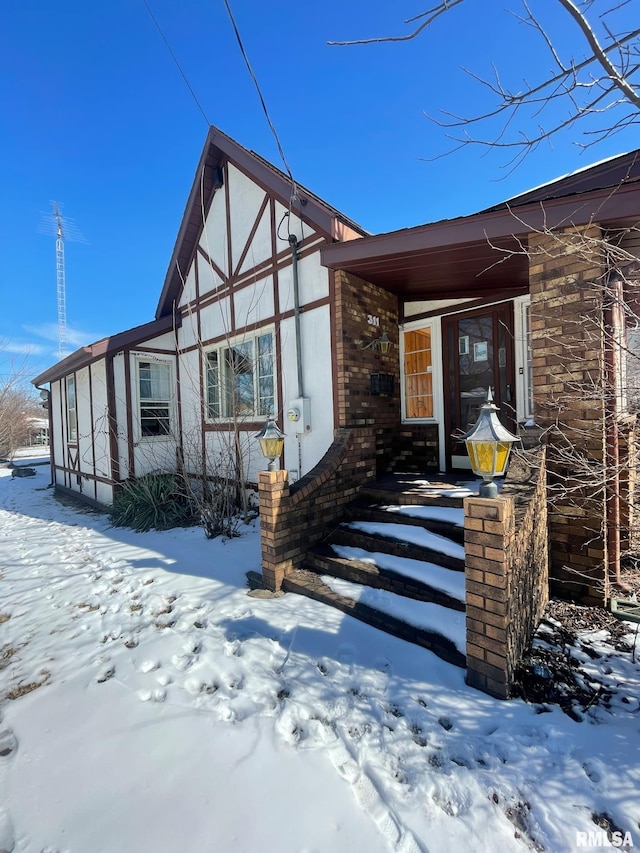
[373,321]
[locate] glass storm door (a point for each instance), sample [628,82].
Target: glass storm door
[478,353]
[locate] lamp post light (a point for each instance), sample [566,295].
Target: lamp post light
[271,441]
[489,445]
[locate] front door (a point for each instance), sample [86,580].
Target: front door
[478,354]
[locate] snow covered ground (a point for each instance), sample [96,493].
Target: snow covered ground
[148,704]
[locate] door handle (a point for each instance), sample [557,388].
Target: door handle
[509,395]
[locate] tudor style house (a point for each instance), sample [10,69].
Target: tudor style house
[275,304]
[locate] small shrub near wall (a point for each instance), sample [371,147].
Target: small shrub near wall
[152,502]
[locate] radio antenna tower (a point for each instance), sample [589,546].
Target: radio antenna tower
[62,228]
[61,284]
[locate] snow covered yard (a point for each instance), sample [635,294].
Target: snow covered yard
[148,704]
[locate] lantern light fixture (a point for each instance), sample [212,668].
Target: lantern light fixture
[489,445]
[383,344]
[271,441]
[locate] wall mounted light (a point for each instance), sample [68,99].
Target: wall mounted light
[271,441]
[383,344]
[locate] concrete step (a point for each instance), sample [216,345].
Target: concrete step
[323,560]
[308,583]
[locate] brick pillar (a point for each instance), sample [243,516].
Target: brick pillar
[273,491]
[566,272]
[489,530]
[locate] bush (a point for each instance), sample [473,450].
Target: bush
[154,501]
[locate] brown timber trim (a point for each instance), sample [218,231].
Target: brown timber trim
[93,434]
[214,266]
[259,324]
[228,426]
[323,224]
[93,477]
[63,392]
[151,350]
[252,234]
[113,420]
[248,280]
[129,404]
[227,212]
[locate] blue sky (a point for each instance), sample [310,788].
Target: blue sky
[94,114]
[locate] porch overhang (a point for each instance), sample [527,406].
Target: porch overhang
[475,256]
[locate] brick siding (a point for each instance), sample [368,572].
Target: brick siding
[294,518]
[566,274]
[507,581]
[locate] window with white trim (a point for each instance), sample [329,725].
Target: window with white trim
[240,379]
[72,411]
[155,398]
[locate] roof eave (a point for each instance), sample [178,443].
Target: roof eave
[104,347]
[605,205]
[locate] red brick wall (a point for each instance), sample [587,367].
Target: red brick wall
[399,446]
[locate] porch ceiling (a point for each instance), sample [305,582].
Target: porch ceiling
[479,255]
[470,270]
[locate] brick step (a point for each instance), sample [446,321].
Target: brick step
[362,511]
[344,535]
[322,559]
[311,585]
[417,497]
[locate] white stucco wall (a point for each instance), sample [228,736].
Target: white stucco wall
[313,282]
[254,303]
[101,421]
[57,445]
[318,387]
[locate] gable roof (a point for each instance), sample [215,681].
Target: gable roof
[219,148]
[462,258]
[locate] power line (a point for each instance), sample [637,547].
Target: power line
[175,59]
[262,101]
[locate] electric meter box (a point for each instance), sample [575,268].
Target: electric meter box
[299,415]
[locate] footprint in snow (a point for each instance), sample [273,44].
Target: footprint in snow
[157,695]
[233,648]
[8,742]
[105,674]
[182,662]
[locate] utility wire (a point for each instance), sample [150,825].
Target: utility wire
[262,102]
[178,66]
